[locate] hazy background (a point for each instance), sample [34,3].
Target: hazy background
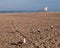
[29,5]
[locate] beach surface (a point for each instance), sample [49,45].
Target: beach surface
[40,29]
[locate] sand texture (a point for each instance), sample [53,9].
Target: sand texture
[40,29]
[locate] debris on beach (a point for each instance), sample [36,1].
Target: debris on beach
[51,27]
[24,40]
[38,30]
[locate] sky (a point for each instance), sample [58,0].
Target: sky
[53,5]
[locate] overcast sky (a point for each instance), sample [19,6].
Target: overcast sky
[29,4]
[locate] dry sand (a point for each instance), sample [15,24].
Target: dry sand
[34,27]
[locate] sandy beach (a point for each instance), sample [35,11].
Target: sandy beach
[40,29]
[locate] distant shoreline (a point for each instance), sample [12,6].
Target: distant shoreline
[24,11]
[29,13]
[16,11]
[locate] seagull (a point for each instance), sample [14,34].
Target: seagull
[45,9]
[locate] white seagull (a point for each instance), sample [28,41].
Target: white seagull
[45,9]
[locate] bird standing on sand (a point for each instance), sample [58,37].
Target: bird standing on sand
[45,9]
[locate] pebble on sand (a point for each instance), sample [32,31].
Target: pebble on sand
[51,27]
[24,40]
[38,30]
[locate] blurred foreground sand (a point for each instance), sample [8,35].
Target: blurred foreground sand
[35,27]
